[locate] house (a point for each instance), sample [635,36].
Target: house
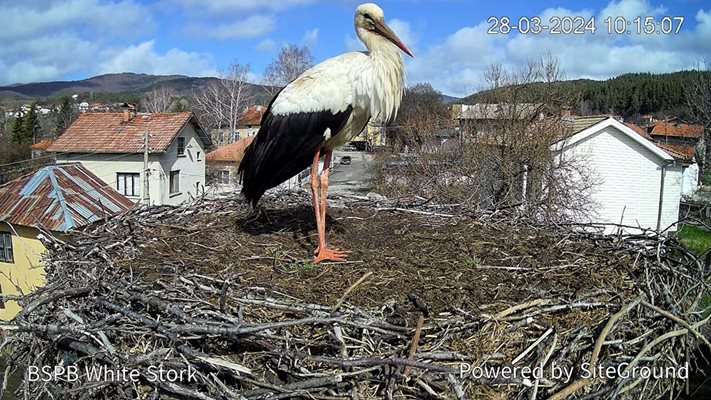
[55,199]
[112,146]
[39,149]
[250,121]
[223,165]
[680,143]
[637,183]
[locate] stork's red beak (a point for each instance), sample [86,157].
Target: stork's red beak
[388,33]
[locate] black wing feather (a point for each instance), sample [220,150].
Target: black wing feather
[285,145]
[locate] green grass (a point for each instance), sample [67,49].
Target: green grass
[300,267]
[698,240]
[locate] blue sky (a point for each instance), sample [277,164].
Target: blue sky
[76,39]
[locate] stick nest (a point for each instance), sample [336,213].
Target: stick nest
[232,295]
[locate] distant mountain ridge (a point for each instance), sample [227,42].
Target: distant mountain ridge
[107,83]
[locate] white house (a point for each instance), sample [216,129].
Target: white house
[111,145]
[636,183]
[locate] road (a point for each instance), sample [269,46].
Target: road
[353,178]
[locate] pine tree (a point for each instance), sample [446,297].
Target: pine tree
[32,125]
[66,115]
[18,130]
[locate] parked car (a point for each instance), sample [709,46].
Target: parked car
[346,160]
[349,147]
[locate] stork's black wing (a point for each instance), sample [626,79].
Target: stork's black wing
[285,145]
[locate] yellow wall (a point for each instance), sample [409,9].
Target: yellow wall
[373,134]
[26,272]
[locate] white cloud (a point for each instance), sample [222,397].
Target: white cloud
[253,26]
[266,46]
[48,39]
[233,6]
[310,38]
[144,58]
[456,65]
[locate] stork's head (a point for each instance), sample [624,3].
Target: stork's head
[370,18]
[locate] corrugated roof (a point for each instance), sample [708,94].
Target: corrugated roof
[232,153]
[108,133]
[578,124]
[59,198]
[680,152]
[675,129]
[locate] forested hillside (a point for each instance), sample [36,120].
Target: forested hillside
[627,95]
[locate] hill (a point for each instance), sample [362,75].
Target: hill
[108,87]
[626,95]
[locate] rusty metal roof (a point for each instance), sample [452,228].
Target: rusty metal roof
[103,132]
[59,198]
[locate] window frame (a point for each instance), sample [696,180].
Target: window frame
[174,180]
[180,144]
[7,253]
[135,183]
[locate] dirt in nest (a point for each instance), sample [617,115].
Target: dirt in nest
[452,263]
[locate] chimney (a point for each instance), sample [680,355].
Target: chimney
[129,112]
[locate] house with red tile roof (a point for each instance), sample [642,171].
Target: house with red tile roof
[250,121]
[55,199]
[112,146]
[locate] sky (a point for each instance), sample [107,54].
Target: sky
[46,40]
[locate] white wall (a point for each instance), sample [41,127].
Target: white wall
[690,180]
[191,166]
[627,177]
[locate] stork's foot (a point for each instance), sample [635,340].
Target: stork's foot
[326,254]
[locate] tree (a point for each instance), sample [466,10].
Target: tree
[19,134]
[32,129]
[160,99]
[291,62]
[221,102]
[501,153]
[66,115]
[698,99]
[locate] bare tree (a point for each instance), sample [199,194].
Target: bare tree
[500,154]
[221,103]
[160,99]
[291,62]
[698,97]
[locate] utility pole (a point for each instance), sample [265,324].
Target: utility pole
[145,197]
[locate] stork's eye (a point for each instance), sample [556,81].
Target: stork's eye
[368,17]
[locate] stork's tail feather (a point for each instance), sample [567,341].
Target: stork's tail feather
[251,189]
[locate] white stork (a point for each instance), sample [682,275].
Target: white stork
[325,108]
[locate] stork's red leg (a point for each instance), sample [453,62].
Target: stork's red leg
[325,253]
[315,184]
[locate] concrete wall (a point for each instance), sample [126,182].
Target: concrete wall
[628,180]
[26,273]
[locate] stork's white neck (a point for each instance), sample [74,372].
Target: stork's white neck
[386,75]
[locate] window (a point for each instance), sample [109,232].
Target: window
[198,156]
[174,182]
[6,248]
[181,146]
[223,177]
[128,184]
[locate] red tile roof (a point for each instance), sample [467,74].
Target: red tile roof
[679,152]
[232,153]
[59,198]
[662,128]
[42,144]
[639,130]
[108,133]
[253,116]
